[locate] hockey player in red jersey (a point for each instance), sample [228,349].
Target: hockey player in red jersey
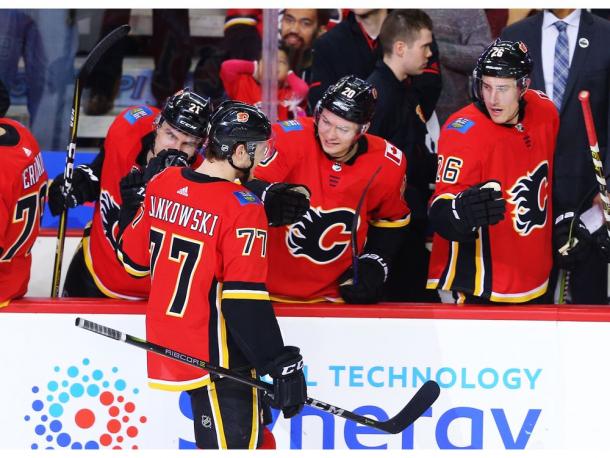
[336,159]
[203,239]
[23,185]
[137,137]
[492,205]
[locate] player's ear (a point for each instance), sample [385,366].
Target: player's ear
[240,153]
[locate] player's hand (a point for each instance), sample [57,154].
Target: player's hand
[289,387]
[571,240]
[133,188]
[285,203]
[85,187]
[478,206]
[368,286]
[165,158]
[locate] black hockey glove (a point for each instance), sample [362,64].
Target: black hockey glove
[478,206]
[602,240]
[132,188]
[285,203]
[368,287]
[85,188]
[571,241]
[289,388]
[166,158]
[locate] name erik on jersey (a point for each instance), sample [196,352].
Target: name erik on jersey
[185,216]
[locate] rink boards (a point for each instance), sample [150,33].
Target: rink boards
[511,377]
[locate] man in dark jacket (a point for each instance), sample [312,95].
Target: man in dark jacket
[352,47]
[406,40]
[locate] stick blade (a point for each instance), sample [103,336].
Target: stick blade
[422,401]
[100,49]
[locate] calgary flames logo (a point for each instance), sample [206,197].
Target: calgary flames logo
[321,236]
[110,217]
[530,195]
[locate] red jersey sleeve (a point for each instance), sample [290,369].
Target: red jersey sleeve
[298,87]
[459,164]
[388,206]
[133,249]
[276,167]
[231,70]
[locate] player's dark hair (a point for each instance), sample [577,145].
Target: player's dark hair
[402,25]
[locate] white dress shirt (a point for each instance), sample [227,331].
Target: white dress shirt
[549,37]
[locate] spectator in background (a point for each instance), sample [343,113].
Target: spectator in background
[48,40]
[573,51]
[23,185]
[462,35]
[406,38]
[170,46]
[298,29]
[243,34]
[241,79]
[139,137]
[491,209]
[20,37]
[351,47]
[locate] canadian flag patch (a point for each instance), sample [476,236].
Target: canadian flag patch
[184,191]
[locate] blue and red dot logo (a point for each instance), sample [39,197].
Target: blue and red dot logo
[85,408]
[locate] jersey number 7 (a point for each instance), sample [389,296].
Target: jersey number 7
[187,253]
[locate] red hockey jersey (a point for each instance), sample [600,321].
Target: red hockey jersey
[307,258]
[204,241]
[23,184]
[122,145]
[509,261]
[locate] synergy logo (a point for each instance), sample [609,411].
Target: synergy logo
[84,408]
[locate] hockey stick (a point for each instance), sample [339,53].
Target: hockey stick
[354,234]
[92,59]
[583,96]
[418,404]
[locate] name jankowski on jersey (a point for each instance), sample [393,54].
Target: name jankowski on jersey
[183,215]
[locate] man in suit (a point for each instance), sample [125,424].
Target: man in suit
[572,52]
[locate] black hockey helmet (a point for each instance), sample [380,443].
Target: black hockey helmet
[233,123]
[188,112]
[351,98]
[502,59]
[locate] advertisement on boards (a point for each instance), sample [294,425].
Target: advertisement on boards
[504,385]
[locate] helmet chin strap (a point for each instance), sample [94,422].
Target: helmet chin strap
[244,170]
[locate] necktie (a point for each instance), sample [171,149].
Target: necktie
[562,63]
